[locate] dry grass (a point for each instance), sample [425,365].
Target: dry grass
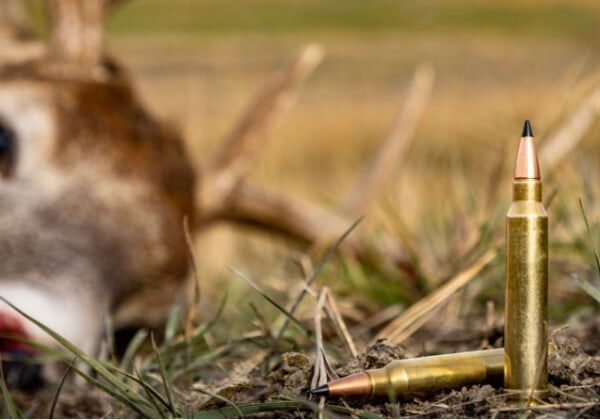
[485,86]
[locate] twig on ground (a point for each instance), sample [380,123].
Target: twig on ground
[386,314]
[192,315]
[320,370]
[60,387]
[335,316]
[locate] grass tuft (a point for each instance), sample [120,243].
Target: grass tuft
[9,410]
[588,287]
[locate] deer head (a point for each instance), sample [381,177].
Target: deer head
[93,190]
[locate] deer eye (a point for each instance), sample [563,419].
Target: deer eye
[7,150]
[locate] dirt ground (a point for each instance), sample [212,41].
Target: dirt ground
[574,369]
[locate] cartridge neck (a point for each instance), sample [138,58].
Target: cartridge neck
[527,190]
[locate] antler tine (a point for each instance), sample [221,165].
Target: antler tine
[226,197]
[565,138]
[298,219]
[13,20]
[77,31]
[241,148]
[17,41]
[391,153]
[309,223]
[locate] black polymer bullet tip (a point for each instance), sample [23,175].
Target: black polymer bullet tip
[321,390]
[527,131]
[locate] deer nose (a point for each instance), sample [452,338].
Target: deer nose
[21,372]
[18,364]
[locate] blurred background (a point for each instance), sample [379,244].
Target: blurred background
[198,63]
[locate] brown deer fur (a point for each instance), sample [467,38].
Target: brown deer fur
[100,220]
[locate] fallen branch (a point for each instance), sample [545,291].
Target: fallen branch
[334,314]
[321,371]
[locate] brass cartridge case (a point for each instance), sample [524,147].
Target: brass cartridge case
[526,305]
[423,375]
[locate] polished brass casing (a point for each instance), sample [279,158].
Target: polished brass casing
[411,377]
[526,306]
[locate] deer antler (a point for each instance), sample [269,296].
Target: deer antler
[392,151]
[558,145]
[77,32]
[226,196]
[13,20]
[16,38]
[311,224]
[242,147]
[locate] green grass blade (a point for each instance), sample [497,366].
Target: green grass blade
[60,387]
[133,348]
[172,323]
[588,287]
[50,354]
[109,332]
[165,377]
[127,392]
[589,229]
[9,406]
[176,346]
[138,379]
[217,315]
[291,317]
[316,274]
[330,252]
[248,409]
[151,394]
[222,398]
[146,412]
[203,360]
[257,408]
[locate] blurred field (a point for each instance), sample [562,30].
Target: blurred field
[497,63]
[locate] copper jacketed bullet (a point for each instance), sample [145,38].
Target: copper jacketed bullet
[419,376]
[526,306]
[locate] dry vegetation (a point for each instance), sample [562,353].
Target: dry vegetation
[444,200]
[439,195]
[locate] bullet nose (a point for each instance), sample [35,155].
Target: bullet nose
[20,372]
[320,390]
[527,131]
[527,166]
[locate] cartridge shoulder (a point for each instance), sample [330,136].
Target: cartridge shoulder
[527,208]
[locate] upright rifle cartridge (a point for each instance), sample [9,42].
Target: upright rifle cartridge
[419,376]
[526,305]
